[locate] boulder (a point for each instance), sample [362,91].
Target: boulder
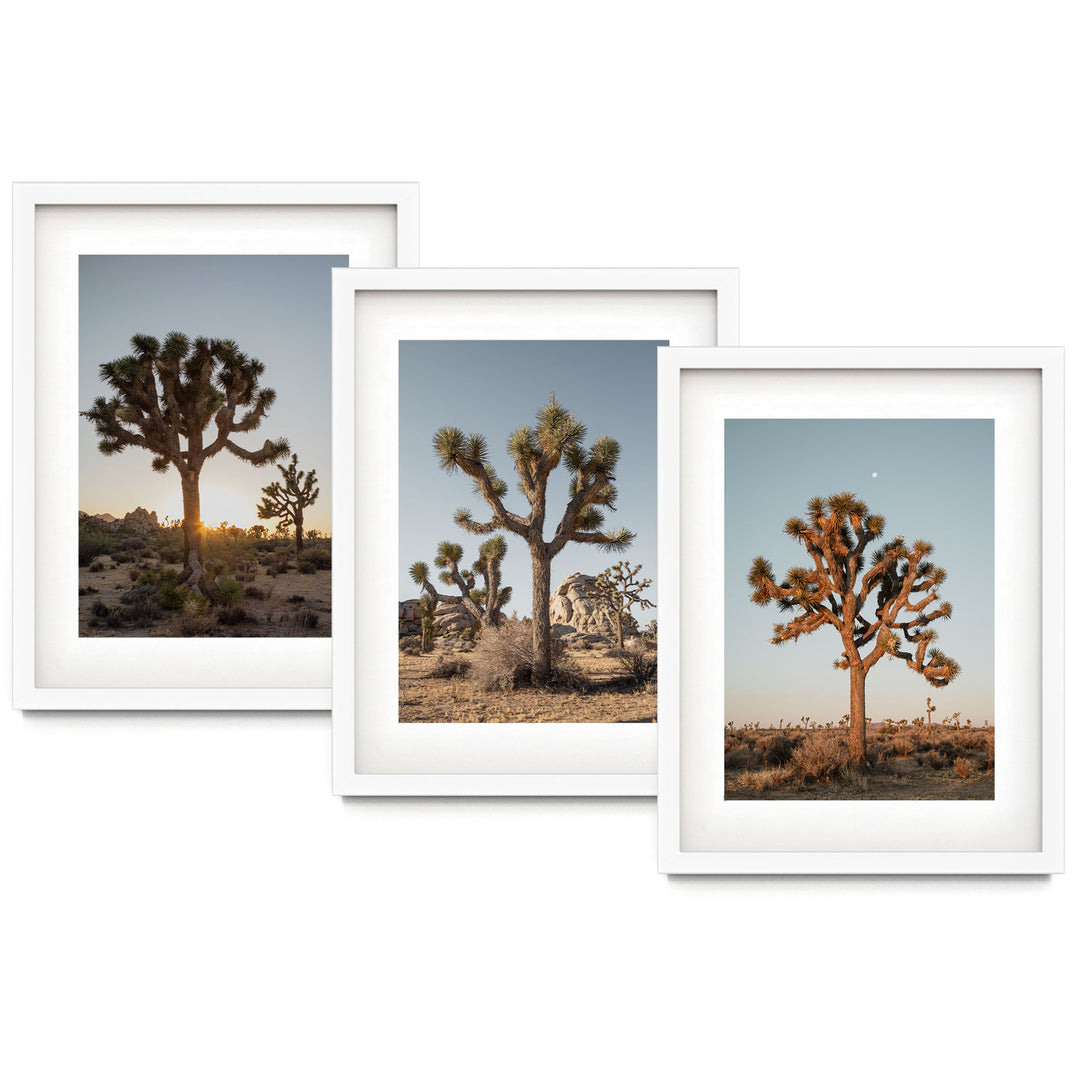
[140,520]
[573,605]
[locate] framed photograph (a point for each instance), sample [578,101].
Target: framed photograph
[172,493]
[862,556]
[495,483]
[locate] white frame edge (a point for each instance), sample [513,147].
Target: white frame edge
[26,198]
[671,858]
[346,283]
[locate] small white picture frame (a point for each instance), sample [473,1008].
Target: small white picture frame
[1019,829]
[374,754]
[372,224]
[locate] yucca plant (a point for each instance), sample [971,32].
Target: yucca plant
[182,401]
[901,587]
[557,438]
[484,604]
[228,591]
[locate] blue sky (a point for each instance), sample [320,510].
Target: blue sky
[276,307]
[935,481]
[492,388]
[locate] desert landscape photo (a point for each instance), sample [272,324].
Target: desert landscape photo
[837,684]
[192,522]
[527,532]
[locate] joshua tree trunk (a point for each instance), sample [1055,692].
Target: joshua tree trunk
[619,629]
[194,547]
[541,603]
[857,723]
[299,519]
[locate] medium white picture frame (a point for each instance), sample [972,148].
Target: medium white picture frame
[373,754]
[373,224]
[1021,829]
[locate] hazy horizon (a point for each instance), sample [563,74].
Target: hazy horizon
[276,308]
[494,387]
[930,479]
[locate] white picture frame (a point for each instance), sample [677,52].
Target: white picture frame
[54,223]
[1021,829]
[373,311]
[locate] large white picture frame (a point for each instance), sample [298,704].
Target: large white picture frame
[373,312]
[1020,829]
[373,224]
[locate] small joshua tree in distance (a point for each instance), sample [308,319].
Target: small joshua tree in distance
[287,499]
[537,451]
[182,401]
[836,533]
[618,588]
[484,604]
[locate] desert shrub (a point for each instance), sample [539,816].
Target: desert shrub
[963,767]
[818,759]
[742,759]
[302,620]
[228,591]
[93,542]
[778,750]
[319,557]
[761,781]
[232,616]
[133,573]
[99,608]
[638,663]
[935,759]
[450,668]
[307,566]
[96,567]
[852,775]
[295,598]
[251,592]
[170,596]
[114,617]
[194,625]
[503,660]
[903,744]
[143,611]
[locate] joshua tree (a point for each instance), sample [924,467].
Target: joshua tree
[166,396]
[287,499]
[830,593]
[556,438]
[930,710]
[427,622]
[484,604]
[617,588]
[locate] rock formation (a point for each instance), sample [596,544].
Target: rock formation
[450,618]
[572,605]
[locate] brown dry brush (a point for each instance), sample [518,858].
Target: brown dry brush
[759,759]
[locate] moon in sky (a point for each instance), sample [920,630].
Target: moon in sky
[873,475]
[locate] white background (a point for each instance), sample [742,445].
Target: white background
[182,896]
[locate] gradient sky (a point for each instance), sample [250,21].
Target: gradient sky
[494,387]
[935,481]
[276,307]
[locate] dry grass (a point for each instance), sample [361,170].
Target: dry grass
[938,764]
[605,697]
